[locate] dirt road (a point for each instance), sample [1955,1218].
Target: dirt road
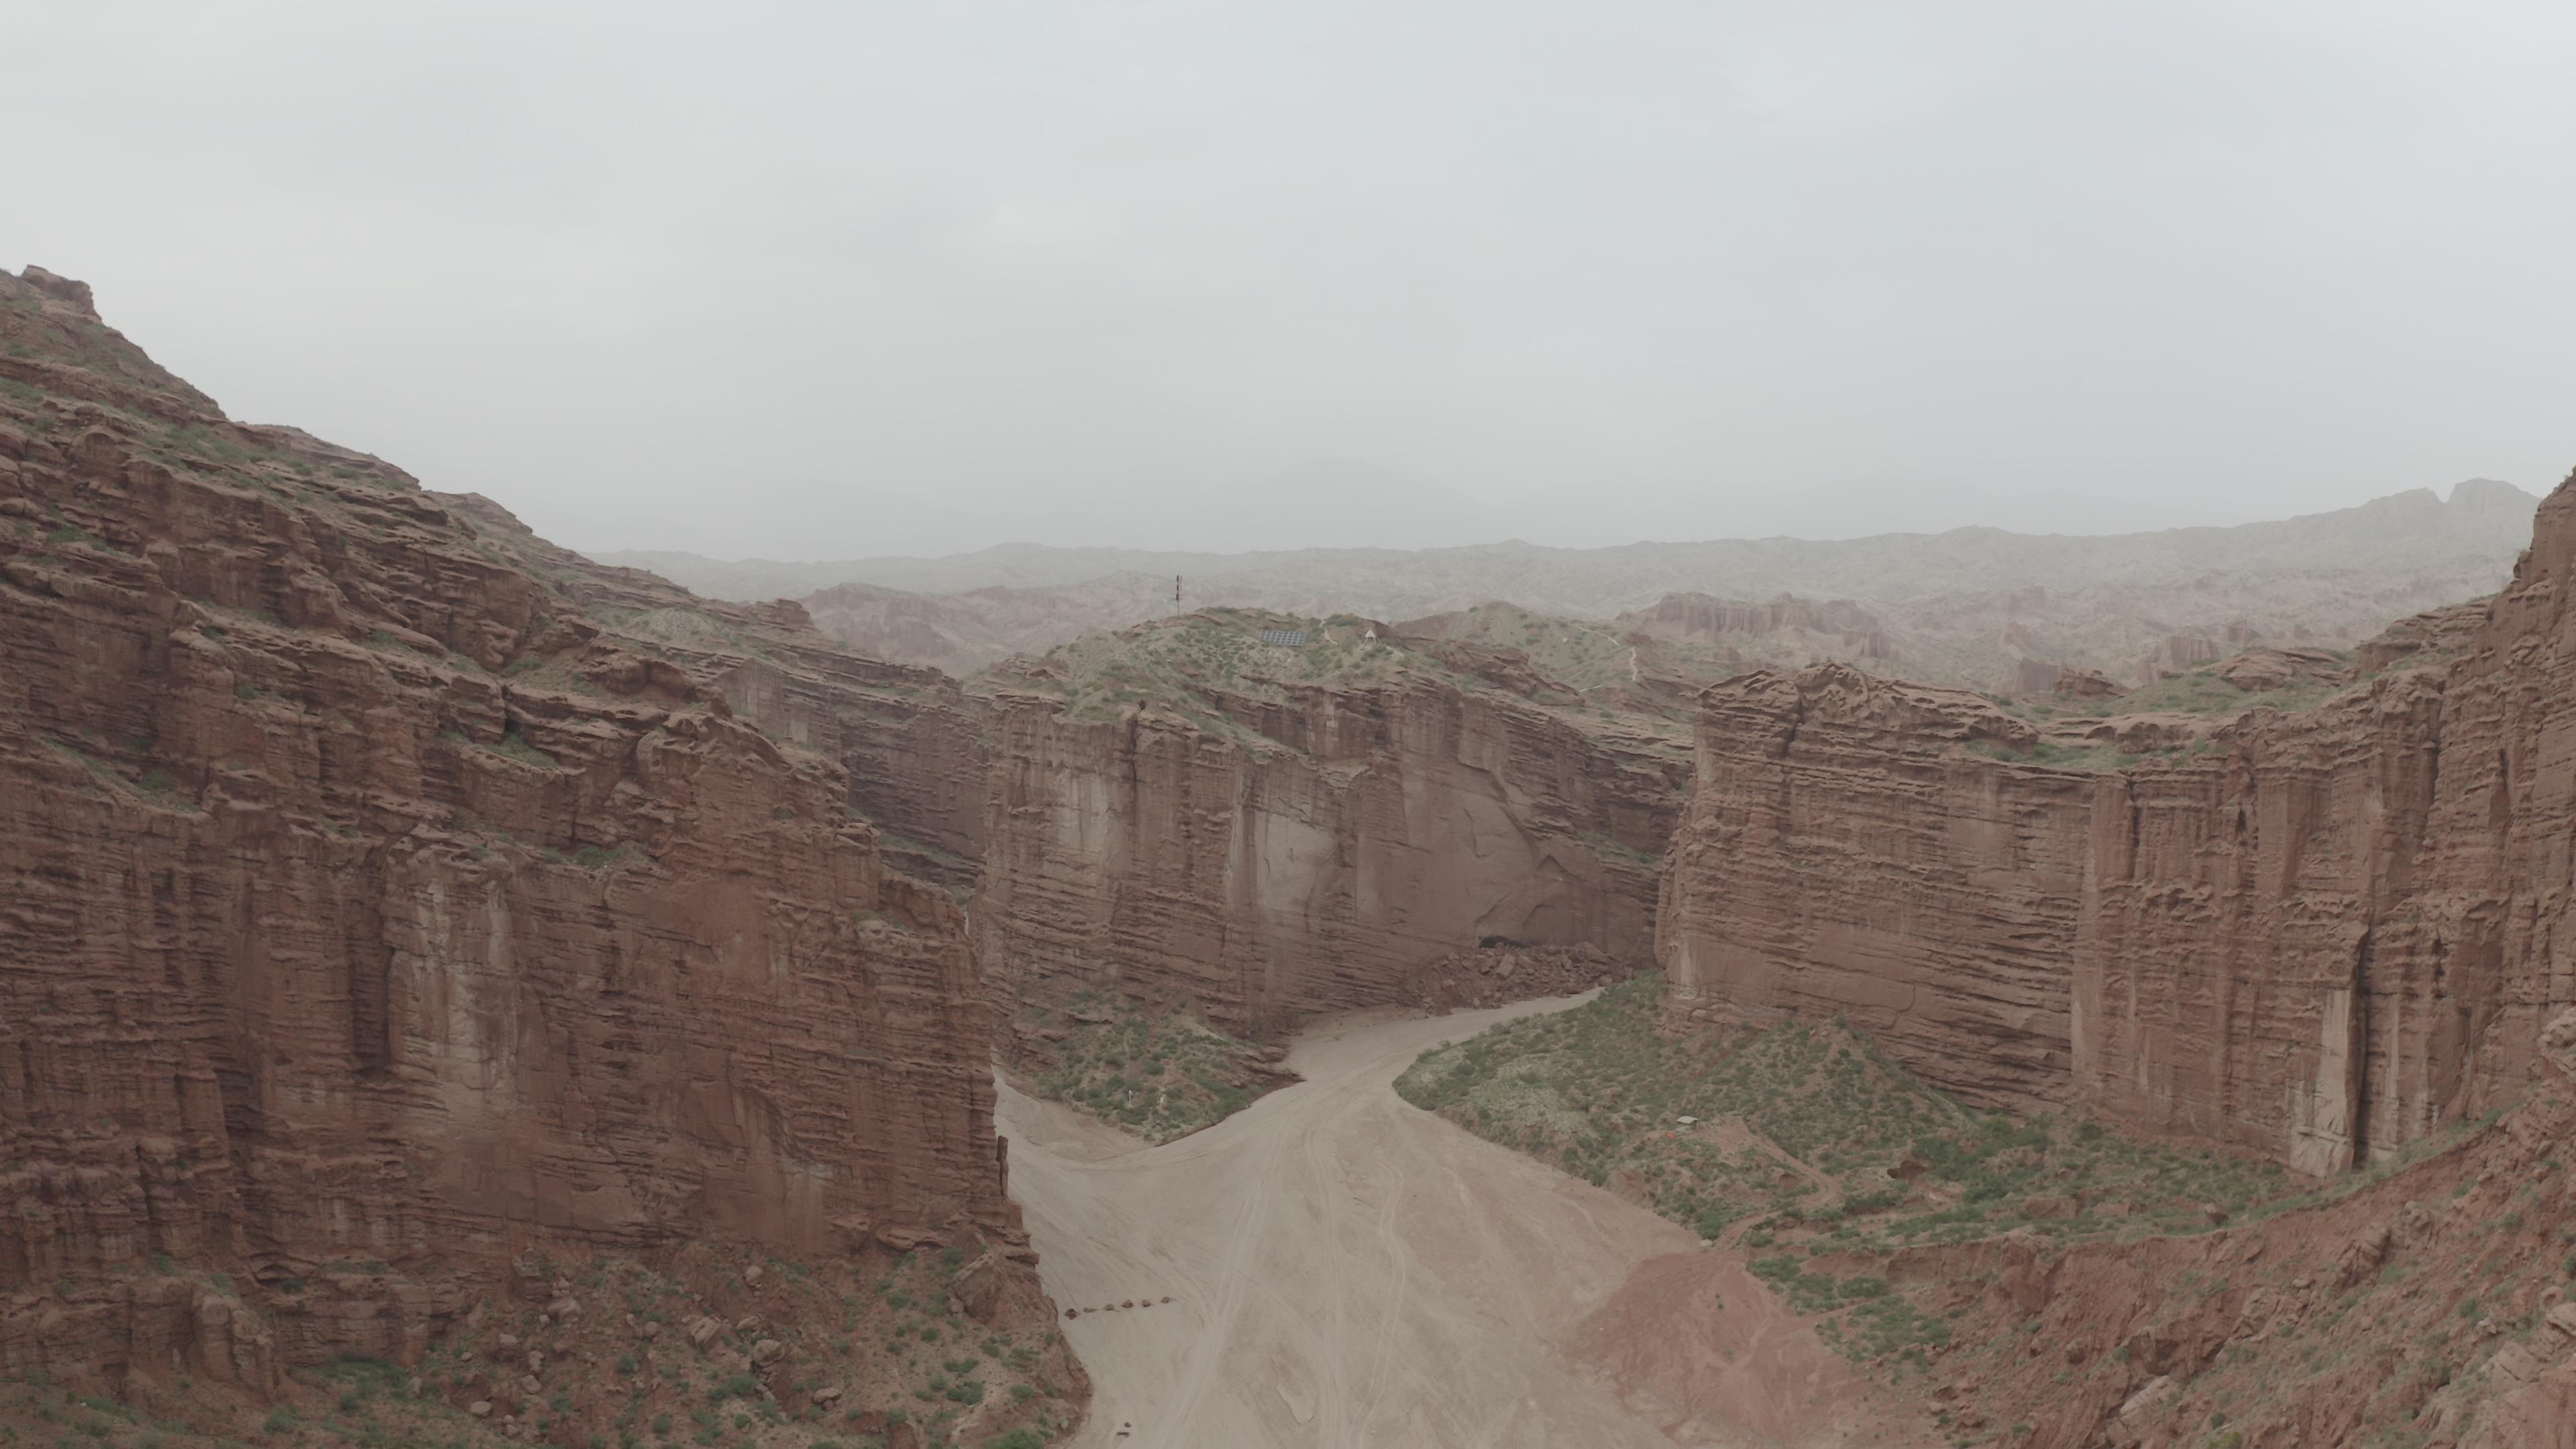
[1345,1270]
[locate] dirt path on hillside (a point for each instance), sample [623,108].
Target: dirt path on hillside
[1345,1270]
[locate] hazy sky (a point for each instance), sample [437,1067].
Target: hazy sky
[832,279]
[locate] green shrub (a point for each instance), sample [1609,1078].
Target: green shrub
[516,746]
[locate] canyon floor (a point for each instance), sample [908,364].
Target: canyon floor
[1333,1266]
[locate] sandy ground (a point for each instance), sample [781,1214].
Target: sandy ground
[1346,1270]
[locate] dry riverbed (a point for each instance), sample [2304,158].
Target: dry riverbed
[1334,1267]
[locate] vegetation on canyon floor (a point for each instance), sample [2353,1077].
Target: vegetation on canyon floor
[1159,1076]
[753,1352]
[1806,1141]
[1894,1214]
[1809,1129]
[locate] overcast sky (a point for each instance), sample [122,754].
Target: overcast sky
[835,279]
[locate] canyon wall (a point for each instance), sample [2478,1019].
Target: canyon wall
[909,739]
[1312,850]
[371,914]
[1844,853]
[2314,936]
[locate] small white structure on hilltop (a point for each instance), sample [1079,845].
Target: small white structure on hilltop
[1369,633]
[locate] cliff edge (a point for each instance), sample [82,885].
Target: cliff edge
[376,919]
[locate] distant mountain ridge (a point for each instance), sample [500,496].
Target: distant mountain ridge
[2484,523]
[1983,607]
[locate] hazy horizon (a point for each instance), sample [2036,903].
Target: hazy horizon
[2443,493]
[792,281]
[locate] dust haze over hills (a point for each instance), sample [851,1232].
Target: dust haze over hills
[1972,605]
[1098,960]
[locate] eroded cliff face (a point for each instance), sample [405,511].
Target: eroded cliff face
[1306,847]
[365,904]
[1844,853]
[909,739]
[2313,935]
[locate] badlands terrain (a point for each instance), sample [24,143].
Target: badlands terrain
[1954,990]
[1981,607]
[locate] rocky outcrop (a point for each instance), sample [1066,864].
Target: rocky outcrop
[963,632]
[2311,935]
[908,739]
[1301,848]
[1835,628]
[2442,632]
[2262,670]
[2084,684]
[372,913]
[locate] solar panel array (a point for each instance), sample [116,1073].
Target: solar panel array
[1292,638]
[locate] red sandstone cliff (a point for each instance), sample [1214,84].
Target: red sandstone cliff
[362,901]
[2312,935]
[1845,853]
[909,739]
[1293,847]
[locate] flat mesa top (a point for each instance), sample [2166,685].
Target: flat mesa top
[1293,638]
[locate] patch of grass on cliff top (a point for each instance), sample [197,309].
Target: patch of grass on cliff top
[1590,658]
[2207,694]
[1203,664]
[1809,1137]
[1159,1077]
[1585,656]
[1179,662]
[2196,691]
[2073,757]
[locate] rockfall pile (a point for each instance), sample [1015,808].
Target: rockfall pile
[1495,974]
[374,912]
[2314,935]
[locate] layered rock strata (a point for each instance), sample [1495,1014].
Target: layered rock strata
[909,739]
[2312,935]
[1302,847]
[370,914]
[1846,853]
